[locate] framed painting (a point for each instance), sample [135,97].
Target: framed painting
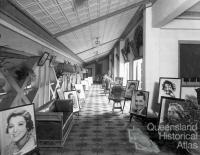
[43,59]
[80,91]
[169,108]
[131,85]
[139,102]
[169,87]
[119,80]
[73,95]
[175,116]
[18,126]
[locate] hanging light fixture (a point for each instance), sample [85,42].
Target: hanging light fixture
[97,43]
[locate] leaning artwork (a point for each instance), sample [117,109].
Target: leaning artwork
[18,127]
[130,87]
[169,87]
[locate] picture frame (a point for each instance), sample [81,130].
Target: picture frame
[139,103]
[11,120]
[169,87]
[52,61]
[164,108]
[43,59]
[119,80]
[80,91]
[125,55]
[73,95]
[131,85]
[176,112]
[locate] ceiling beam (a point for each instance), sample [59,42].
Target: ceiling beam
[96,47]
[164,12]
[189,15]
[10,11]
[102,18]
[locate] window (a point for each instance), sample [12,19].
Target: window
[126,71]
[137,71]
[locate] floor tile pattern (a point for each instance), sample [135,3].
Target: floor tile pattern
[97,130]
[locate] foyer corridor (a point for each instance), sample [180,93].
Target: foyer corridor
[97,131]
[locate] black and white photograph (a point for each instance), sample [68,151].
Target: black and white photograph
[131,85]
[139,103]
[172,110]
[18,130]
[169,87]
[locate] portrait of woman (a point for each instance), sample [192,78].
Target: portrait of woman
[20,129]
[169,87]
[130,87]
[172,111]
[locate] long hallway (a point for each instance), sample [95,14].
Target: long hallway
[97,131]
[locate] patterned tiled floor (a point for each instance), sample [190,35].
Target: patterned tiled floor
[97,130]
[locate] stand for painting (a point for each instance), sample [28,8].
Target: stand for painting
[126,99]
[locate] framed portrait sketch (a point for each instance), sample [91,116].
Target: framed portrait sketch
[175,112]
[80,91]
[169,106]
[119,80]
[73,95]
[139,103]
[169,87]
[131,85]
[18,126]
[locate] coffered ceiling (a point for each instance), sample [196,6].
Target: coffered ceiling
[89,28]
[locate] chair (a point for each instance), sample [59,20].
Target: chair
[116,95]
[107,87]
